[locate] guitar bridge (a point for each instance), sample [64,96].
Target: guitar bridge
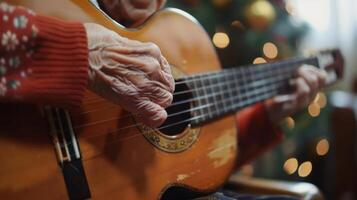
[68,153]
[62,135]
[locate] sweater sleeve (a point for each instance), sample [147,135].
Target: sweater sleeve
[42,59]
[256,133]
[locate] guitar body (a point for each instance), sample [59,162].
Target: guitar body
[119,162]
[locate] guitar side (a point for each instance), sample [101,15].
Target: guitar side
[118,162]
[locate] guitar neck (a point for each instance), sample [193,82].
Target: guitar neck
[220,93]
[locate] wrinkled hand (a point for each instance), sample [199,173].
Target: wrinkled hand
[308,82]
[130,73]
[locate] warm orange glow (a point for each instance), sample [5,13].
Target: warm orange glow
[221,3]
[290,122]
[237,24]
[322,147]
[247,170]
[291,165]
[259,60]
[270,50]
[321,99]
[221,40]
[305,169]
[314,109]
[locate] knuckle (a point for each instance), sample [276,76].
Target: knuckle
[152,65]
[314,78]
[170,83]
[155,50]
[158,118]
[167,100]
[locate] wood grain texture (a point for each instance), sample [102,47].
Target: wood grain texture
[119,164]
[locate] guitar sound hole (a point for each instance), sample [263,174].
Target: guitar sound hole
[179,112]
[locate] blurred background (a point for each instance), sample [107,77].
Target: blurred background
[320,146]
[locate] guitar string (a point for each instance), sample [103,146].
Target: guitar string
[261,68]
[174,104]
[102,121]
[247,84]
[218,74]
[242,104]
[244,86]
[249,95]
[239,73]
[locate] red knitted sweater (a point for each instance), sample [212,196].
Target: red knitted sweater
[42,59]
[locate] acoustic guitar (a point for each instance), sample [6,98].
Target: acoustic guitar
[99,151]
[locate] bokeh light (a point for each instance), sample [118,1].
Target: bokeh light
[221,40]
[290,122]
[322,147]
[321,99]
[291,165]
[259,60]
[305,169]
[270,50]
[238,24]
[314,109]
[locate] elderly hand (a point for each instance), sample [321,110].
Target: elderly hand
[308,82]
[129,73]
[131,12]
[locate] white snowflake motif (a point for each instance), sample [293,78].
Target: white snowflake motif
[25,38]
[14,62]
[9,40]
[23,74]
[20,22]
[14,84]
[6,8]
[5,18]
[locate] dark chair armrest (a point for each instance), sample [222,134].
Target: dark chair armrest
[248,185]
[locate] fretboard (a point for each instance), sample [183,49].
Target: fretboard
[216,94]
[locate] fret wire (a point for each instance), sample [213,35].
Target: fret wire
[221,87]
[231,108]
[230,95]
[206,92]
[213,97]
[194,94]
[205,100]
[242,86]
[265,88]
[251,94]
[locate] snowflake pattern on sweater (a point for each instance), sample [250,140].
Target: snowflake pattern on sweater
[17,38]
